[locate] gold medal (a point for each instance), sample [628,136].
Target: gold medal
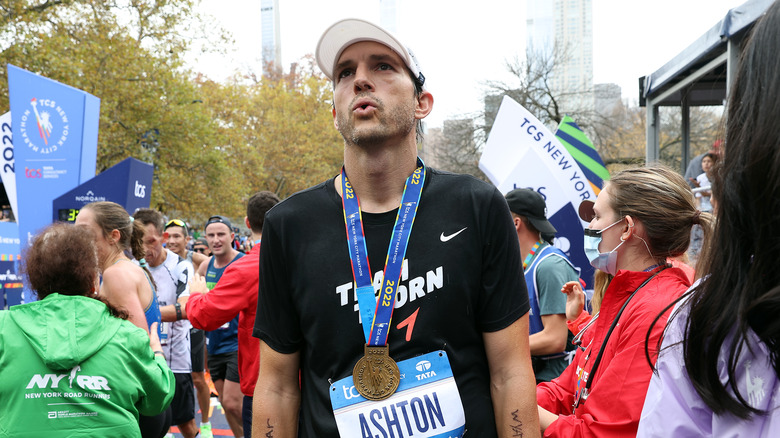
[376,375]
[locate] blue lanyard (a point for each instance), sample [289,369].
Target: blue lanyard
[376,314]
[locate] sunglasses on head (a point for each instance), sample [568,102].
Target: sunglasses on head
[175,222]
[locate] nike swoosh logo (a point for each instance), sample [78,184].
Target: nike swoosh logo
[446,238]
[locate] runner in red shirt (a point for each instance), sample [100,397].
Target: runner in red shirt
[236,294]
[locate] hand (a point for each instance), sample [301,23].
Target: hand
[546,418]
[575,299]
[198,284]
[154,339]
[694,181]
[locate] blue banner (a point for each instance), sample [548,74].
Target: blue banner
[55,144]
[128,183]
[10,281]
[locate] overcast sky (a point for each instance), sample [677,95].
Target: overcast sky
[461,44]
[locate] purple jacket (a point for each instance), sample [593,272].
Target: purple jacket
[673,408]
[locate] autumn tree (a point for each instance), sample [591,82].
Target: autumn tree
[277,131]
[212,144]
[128,54]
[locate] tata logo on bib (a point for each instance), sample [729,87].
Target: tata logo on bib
[424,367]
[44,126]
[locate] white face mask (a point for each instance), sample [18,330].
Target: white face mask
[603,261]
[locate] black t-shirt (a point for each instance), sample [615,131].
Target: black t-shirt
[462,277]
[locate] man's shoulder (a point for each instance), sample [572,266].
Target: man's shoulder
[555,263]
[303,201]
[247,265]
[175,261]
[172,264]
[247,258]
[453,187]
[553,257]
[444,178]
[171,258]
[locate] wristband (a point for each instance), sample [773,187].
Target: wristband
[158,353]
[177,306]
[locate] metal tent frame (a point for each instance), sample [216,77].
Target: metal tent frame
[700,75]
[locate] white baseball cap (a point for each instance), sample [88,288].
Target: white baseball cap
[349,31]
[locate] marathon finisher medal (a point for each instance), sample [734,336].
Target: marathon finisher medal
[376,374]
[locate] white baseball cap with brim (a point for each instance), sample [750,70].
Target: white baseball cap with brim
[349,31]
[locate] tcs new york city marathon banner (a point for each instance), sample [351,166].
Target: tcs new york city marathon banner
[49,152]
[55,132]
[522,153]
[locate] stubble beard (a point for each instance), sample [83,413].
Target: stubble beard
[394,122]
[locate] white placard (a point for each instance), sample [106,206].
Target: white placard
[7,162]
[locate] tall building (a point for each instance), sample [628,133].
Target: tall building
[539,27]
[569,23]
[607,98]
[271,36]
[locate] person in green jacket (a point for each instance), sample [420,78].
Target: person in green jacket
[71,365]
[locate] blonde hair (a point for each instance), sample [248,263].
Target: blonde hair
[661,200]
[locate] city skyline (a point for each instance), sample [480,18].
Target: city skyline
[461,46]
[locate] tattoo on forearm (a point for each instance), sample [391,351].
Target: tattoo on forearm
[270,432]
[516,424]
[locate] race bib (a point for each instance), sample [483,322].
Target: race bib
[426,405]
[165,329]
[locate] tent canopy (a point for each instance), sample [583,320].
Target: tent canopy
[699,75]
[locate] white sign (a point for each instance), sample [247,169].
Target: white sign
[522,152]
[7,162]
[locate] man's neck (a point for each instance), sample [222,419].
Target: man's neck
[182,253]
[527,243]
[378,175]
[160,259]
[222,260]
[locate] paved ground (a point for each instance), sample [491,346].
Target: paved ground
[219,426]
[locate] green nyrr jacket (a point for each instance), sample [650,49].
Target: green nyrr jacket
[70,369]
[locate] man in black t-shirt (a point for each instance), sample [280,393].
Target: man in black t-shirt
[459,293]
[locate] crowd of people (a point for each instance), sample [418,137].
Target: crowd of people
[395,299]
[132,271]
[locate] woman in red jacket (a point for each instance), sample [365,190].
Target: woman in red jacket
[642,217]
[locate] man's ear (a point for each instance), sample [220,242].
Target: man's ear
[424,105]
[518,223]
